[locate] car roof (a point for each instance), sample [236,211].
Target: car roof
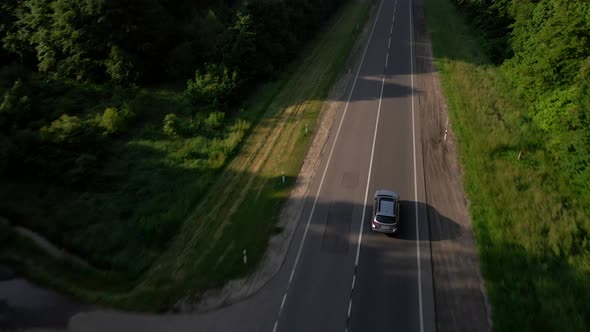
[385,192]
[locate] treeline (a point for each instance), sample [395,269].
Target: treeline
[544,47]
[71,70]
[143,41]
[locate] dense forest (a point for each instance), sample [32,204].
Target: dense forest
[51,47]
[544,47]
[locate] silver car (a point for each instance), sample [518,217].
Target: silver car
[386,212]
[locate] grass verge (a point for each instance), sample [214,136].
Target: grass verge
[516,205]
[220,212]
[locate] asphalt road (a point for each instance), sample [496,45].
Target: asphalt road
[370,282]
[338,275]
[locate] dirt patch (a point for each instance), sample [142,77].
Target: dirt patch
[45,244]
[460,297]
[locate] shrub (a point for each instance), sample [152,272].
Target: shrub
[213,89]
[66,129]
[15,109]
[214,121]
[171,125]
[195,125]
[120,66]
[115,121]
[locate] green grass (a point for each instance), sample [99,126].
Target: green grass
[525,213]
[172,215]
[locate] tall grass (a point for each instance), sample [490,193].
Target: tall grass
[524,211]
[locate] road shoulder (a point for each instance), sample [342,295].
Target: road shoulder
[460,298]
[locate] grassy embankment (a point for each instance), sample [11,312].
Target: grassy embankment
[200,200]
[514,204]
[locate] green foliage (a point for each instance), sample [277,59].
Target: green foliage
[531,214]
[213,89]
[171,125]
[550,44]
[73,166]
[68,129]
[557,111]
[550,40]
[88,40]
[492,18]
[15,109]
[214,121]
[143,41]
[114,120]
[120,66]
[240,52]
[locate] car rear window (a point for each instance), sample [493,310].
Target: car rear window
[385,219]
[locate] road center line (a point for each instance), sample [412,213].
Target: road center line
[283,301]
[415,179]
[358,247]
[326,168]
[360,237]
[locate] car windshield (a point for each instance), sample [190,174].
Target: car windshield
[385,219]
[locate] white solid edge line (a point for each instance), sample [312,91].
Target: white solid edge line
[415,176]
[328,162]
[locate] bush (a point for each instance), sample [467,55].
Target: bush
[171,125]
[66,129]
[114,121]
[15,109]
[213,89]
[214,121]
[120,66]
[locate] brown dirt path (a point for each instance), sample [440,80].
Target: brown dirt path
[460,297]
